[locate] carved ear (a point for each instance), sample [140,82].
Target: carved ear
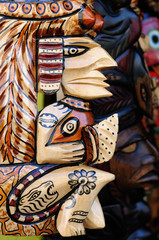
[107,135]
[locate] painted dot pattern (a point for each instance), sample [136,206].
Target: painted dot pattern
[107,134]
[12,7]
[67,5]
[40,8]
[26,8]
[54,7]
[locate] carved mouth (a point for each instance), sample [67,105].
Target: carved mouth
[54,197]
[151,176]
[147,174]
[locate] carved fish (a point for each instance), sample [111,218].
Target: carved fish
[39,194]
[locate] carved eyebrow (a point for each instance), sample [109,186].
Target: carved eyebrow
[133,139]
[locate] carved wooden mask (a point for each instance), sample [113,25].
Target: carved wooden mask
[76,62]
[134,160]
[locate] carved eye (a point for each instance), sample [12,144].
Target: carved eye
[13,7]
[40,8]
[130,148]
[67,5]
[70,127]
[34,195]
[54,7]
[154,39]
[71,51]
[26,8]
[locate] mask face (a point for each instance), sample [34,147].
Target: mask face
[22,25]
[84,61]
[76,62]
[134,160]
[150,28]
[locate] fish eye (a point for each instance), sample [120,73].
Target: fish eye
[70,126]
[34,195]
[73,51]
[67,5]
[154,39]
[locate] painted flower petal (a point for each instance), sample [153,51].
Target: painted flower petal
[84,173]
[86,189]
[72,176]
[91,173]
[77,173]
[92,179]
[73,182]
[80,190]
[91,185]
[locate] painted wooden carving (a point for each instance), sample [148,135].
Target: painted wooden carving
[135,162]
[150,29]
[36,54]
[36,193]
[74,63]
[130,84]
[19,34]
[66,135]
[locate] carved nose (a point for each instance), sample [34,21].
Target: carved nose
[86,18]
[148,159]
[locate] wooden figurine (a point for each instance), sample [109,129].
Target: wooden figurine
[65,134]
[78,64]
[66,131]
[130,84]
[36,194]
[22,24]
[36,54]
[150,30]
[135,158]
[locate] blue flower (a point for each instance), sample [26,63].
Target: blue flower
[82,180]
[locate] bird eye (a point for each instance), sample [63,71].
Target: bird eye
[67,5]
[154,39]
[71,51]
[70,127]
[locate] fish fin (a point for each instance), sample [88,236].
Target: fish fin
[90,138]
[107,135]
